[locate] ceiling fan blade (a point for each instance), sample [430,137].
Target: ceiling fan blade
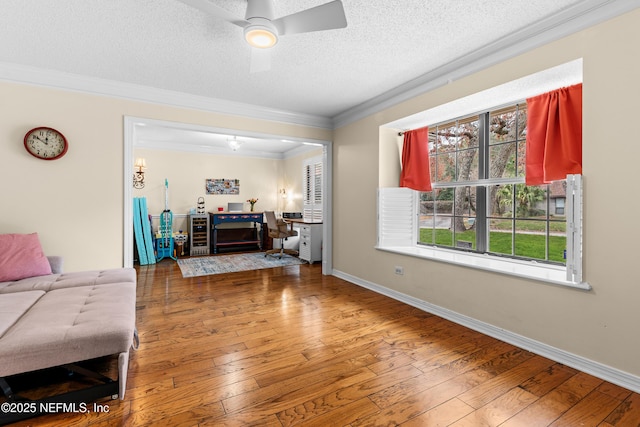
[216,11]
[328,16]
[260,60]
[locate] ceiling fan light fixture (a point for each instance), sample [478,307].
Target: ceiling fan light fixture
[260,36]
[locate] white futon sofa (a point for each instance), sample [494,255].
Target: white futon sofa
[58,319]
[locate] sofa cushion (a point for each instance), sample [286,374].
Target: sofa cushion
[70,325]
[14,306]
[21,256]
[70,280]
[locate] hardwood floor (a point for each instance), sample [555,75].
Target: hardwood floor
[288,346]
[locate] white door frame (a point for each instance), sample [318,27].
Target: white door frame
[130,142]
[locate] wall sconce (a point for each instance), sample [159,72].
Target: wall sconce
[283,193]
[138,175]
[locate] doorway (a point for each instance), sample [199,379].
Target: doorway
[132,126]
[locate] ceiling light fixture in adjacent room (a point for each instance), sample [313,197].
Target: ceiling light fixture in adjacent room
[234,144]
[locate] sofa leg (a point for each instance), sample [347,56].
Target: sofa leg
[6,389]
[123,367]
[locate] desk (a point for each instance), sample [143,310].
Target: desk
[247,236]
[310,239]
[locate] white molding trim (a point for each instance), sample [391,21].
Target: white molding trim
[24,74]
[591,367]
[327,209]
[129,138]
[589,13]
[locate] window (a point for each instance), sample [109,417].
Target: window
[479,200]
[480,212]
[312,189]
[477,169]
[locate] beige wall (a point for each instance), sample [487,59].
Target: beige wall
[600,325]
[291,180]
[76,203]
[186,172]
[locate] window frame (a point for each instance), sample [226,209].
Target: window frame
[454,139]
[398,231]
[395,221]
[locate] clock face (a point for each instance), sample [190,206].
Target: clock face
[45,143]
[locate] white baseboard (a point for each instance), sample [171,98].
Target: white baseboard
[596,369]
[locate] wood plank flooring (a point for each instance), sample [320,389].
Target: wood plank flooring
[288,346]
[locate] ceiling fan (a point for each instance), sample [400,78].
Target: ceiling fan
[261,30]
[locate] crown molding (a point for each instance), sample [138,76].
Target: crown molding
[569,21]
[573,19]
[24,74]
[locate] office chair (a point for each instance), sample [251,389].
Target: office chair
[278,229]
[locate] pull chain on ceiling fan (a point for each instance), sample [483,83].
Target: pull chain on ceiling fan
[261,31]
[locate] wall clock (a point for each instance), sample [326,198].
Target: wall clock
[45,143]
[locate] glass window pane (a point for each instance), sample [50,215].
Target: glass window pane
[503,125]
[445,170]
[501,236]
[531,239]
[502,160]
[522,122]
[531,202]
[500,201]
[557,241]
[427,236]
[468,132]
[465,201]
[446,138]
[427,206]
[467,165]
[444,201]
[466,239]
[558,196]
[443,216]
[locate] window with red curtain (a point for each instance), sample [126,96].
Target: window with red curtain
[554,135]
[415,172]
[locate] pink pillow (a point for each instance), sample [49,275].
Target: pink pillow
[21,256]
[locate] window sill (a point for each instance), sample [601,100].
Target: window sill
[525,269]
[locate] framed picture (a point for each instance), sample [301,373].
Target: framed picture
[223,186]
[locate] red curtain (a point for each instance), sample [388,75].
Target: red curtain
[415,160]
[554,135]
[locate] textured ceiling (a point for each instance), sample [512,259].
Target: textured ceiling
[168,45]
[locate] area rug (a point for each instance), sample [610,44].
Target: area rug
[204,266]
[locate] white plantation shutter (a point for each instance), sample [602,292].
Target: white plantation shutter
[397,217]
[574,228]
[312,191]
